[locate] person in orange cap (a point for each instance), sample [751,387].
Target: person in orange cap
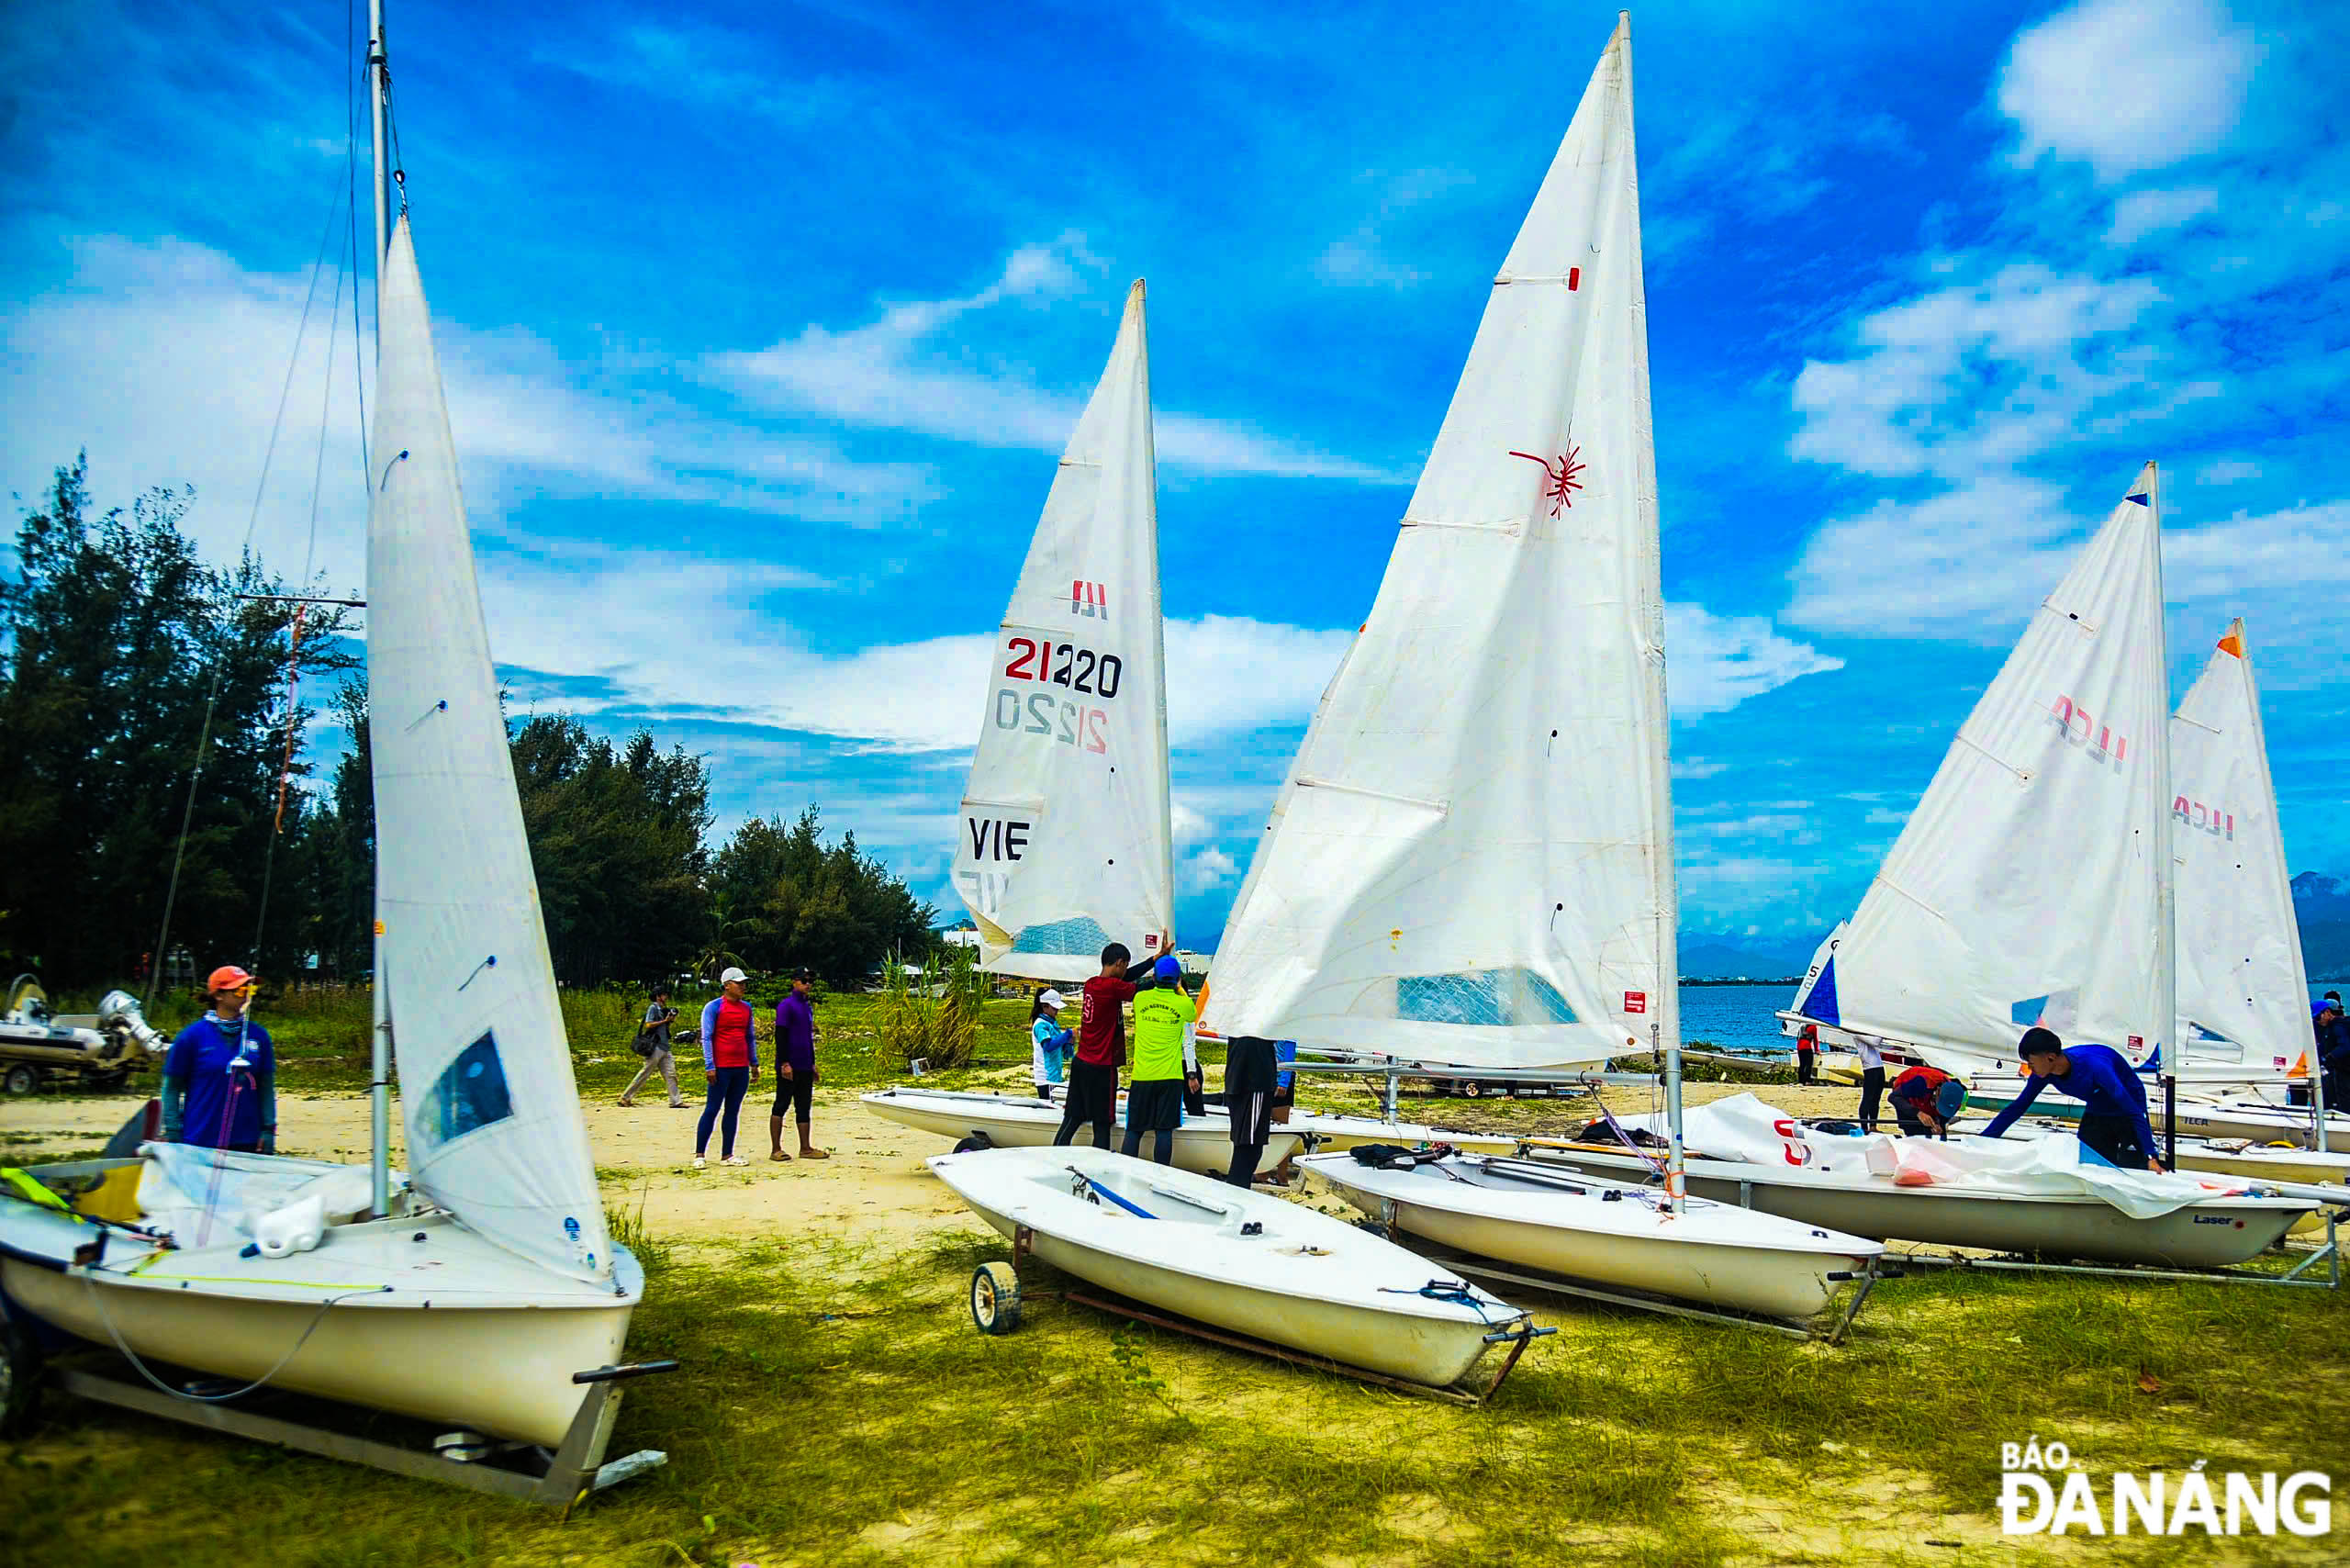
[220,1076]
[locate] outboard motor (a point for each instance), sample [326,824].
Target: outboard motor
[118,1014]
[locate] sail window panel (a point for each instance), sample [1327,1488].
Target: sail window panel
[1498,999]
[1082,937]
[470,1094]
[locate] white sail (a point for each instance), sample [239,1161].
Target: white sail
[2242,992]
[2027,887]
[488,1101]
[1471,861]
[1066,843]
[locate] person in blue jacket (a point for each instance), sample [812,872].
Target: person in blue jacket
[2114,1099]
[220,1075]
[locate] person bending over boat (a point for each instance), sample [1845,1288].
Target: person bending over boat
[1100,1046]
[1049,1046]
[1808,1053]
[730,1060]
[2113,1100]
[1925,1099]
[1155,1100]
[220,1075]
[795,1066]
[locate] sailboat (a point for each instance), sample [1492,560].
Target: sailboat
[1066,843]
[1470,860]
[2242,1032]
[2031,886]
[482,1289]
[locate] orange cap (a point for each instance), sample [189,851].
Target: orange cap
[228,976]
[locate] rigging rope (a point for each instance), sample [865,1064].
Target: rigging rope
[253,522]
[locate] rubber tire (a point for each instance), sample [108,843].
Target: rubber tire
[22,1079]
[20,1380]
[973,1144]
[995,1298]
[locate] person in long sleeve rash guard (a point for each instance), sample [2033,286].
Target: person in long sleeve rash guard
[2113,1101]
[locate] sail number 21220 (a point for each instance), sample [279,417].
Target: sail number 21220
[1064,664]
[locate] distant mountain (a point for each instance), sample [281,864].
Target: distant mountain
[1708,955]
[2321,906]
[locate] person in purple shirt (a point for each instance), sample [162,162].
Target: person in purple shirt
[795,1066]
[2113,1101]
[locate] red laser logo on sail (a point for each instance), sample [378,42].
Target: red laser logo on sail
[1561,471]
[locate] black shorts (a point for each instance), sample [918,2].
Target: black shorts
[1154,1105]
[798,1092]
[2116,1138]
[1092,1095]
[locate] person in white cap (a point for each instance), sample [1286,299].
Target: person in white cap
[1051,1045]
[730,1060]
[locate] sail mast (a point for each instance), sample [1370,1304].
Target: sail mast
[2165,883]
[1664,1030]
[379,1093]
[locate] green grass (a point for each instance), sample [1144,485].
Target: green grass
[836,1408]
[320,1035]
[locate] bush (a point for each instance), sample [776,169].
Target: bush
[932,1014]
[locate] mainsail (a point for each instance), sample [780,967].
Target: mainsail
[2027,887]
[487,1100]
[1472,859]
[1066,843]
[2242,992]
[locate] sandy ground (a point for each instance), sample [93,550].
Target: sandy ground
[875,1188]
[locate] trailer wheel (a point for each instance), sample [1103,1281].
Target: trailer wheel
[21,1079]
[21,1377]
[974,1143]
[995,1298]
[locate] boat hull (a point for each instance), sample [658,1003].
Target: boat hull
[1670,1255]
[1203,1145]
[1203,1278]
[503,1370]
[2216,1233]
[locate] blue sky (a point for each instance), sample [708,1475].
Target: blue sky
[763,325]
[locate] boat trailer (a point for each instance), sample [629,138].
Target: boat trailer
[559,1479]
[1516,1339]
[2329,1254]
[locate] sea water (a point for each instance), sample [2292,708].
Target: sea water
[1734,1017]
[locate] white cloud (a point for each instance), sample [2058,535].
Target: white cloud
[1695,767]
[2228,471]
[167,361]
[892,374]
[1715,662]
[1189,824]
[2141,213]
[2127,85]
[2044,353]
[1205,868]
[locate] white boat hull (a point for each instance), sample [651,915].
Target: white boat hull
[1202,1143]
[417,1316]
[1307,1282]
[1719,1256]
[2217,1233]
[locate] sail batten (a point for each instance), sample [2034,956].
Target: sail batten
[1471,859]
[1066,843]
[488,1102]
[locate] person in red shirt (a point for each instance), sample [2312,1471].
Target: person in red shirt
[730,1060]
[1924,1100]
[1100,1047]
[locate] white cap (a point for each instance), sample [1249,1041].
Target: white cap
[732,975]
[1051,999]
